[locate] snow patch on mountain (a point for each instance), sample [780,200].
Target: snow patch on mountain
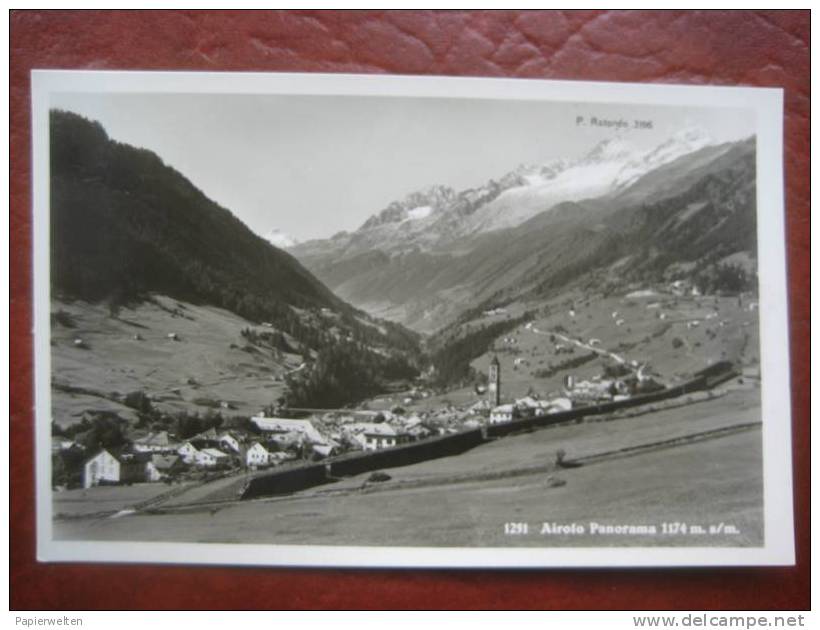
[516,205]
[279,239]
[683,142]
[416,206]
[422,212]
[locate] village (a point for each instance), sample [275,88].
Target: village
[285,437]
[276,441]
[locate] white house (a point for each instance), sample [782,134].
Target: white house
[257,455]
[108,467]
[598,389]
[503,413]
[529,406]
[231,441]
[210,457]
[373,436]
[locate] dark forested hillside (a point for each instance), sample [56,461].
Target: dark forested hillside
[122,222]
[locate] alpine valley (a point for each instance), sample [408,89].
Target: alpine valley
[581,334]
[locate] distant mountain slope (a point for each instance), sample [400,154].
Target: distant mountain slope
[695,210]
[611,166]
[674,208]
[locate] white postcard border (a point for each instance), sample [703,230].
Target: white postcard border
[767,103]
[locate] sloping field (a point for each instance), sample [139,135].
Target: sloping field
[694,332]
[673,335]
[208,363]
[81,502]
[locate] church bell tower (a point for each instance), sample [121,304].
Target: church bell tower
[494,382]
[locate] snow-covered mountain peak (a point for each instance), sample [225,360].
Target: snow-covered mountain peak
[438,215]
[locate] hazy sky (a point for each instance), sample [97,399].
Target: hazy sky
[314,165]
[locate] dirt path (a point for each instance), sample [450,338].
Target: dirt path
[577,342]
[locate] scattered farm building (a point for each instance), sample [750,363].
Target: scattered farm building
[231,441]
[211,457]
[110,467]
[503,413]
[257,455]
[159,442]
[192,448]
[373,436]
[326,450]
[161,467]
[188,452]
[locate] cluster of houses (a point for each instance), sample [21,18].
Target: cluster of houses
[272,441]
[158,456]
[335,433]
[528,407]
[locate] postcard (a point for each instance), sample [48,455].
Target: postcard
[341,320]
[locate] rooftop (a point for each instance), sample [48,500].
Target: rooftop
[289,424]
[214,452]
[373,428]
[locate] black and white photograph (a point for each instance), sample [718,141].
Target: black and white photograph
[392,321]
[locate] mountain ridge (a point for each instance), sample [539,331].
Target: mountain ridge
[438,216]
[423,280]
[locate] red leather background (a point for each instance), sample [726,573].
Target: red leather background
[727,48]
